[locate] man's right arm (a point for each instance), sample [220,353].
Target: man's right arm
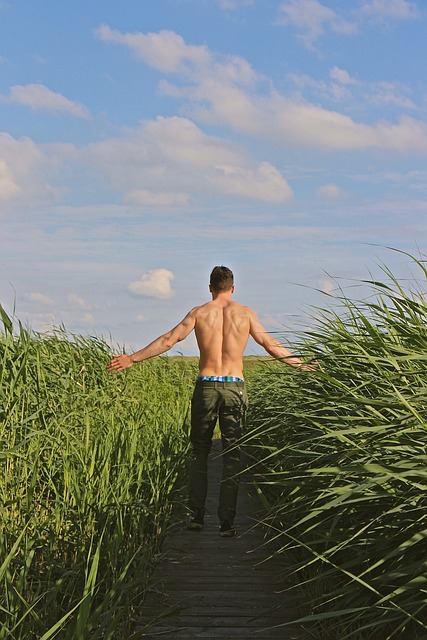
[273,347]
[160,345]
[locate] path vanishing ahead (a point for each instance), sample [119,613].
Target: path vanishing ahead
[206,586]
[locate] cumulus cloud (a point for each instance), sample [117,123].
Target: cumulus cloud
[37,96]
[153,284]
[264,183]
[342,76]
[222,91]
[40,298]
[76,301]
[345,88]
[392,93]
[327,286]
[330,192]
[165,50]
[339,87]
[24,171]
[144,197]
[175,153]
[170,162]
[314,126]
[161,163]
[8,186]
[313,18]
[390,9]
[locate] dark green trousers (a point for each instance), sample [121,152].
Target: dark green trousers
[226,403]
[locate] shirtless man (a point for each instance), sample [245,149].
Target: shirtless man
[222,327]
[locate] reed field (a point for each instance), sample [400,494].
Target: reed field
[90,467]
[340,461]
[93,471]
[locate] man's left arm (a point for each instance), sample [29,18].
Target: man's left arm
[160,345]
[276,348]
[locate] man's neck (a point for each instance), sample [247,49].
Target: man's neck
[222,295]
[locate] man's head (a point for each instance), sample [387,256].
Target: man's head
[221,279]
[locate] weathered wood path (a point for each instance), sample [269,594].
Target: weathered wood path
[212,587]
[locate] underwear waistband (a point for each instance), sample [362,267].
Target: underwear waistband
[219,379]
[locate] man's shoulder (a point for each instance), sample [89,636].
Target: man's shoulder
[242,307]
[200,308]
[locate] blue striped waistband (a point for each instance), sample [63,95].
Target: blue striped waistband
[219,379]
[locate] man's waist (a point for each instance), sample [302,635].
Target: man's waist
[219,379]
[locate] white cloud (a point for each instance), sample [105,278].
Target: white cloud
[153,284]
[173,162]
[391,93]
[168,52]
[75,300]
[330,192]
[164,162]
[165,50]
[37,96]
[144,197]
[327,286]
[8,186]
[265,183]
[40,298]
[164,159]
[221,92]
[24,169]
[342,76]
[298,123]
[394,9]
[313,19]
[351,91]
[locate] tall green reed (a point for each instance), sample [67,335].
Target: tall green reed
[91,466]
[342,465]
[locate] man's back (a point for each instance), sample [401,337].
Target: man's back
[222,329]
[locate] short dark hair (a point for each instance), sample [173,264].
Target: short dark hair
[221,279]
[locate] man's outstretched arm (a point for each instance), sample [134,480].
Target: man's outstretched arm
[160,345]
[274,348]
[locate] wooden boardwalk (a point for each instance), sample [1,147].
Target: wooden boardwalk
[206,586]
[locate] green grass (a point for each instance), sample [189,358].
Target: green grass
[91,466]
[342,464]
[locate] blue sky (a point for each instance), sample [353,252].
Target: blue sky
[142,143]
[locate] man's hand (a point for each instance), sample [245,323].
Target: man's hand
[312,366]
[120,363]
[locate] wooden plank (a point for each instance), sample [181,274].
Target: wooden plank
[285,633]
[205,586]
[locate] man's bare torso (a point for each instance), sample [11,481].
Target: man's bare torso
[222,329]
